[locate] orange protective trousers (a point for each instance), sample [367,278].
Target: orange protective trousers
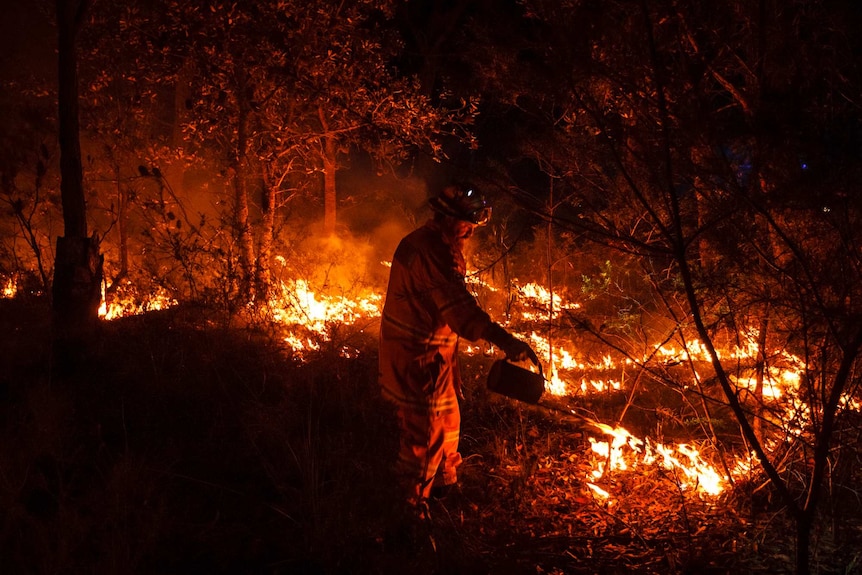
[429,450]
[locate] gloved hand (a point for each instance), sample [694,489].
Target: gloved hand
[517,350]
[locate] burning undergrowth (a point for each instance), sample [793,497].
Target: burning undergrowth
[632,462]
[329,295]
[188,445]
[644,401]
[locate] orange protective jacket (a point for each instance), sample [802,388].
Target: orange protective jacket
[427,309]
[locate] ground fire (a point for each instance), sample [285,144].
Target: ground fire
[306,319]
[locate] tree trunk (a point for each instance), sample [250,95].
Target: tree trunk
[760,375]
[76,297]
[329,197]
[69,13]
[122,231]
[241,209]
[264,255]
[174,171]
[550,257]
[328,155]
[78,266]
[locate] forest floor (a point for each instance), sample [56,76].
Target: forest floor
[182,445]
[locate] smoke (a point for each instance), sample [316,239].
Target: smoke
[343,264]
[375,212]
[355,259]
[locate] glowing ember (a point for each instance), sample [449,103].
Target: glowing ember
[471,349]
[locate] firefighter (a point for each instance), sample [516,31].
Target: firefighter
[427,310]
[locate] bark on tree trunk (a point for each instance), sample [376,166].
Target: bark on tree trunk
[76,289]
[76,298]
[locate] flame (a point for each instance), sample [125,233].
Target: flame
[9,289]
[598,491]
[564,359]
[299,304]
[540,297]
[307,315]
[624,451]
[613,456]
[695,471]
[126,303]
